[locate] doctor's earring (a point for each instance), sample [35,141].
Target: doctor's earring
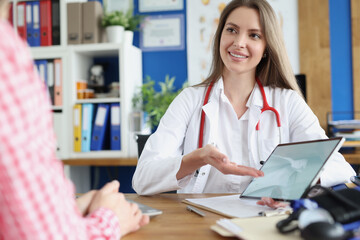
[265,55]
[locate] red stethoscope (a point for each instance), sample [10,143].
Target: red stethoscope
[266,107]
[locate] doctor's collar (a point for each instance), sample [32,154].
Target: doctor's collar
[255,97]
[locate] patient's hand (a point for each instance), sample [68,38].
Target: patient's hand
[267,201]
[83,202]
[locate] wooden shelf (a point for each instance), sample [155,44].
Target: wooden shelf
[115,162]
[351,144]
[352,157]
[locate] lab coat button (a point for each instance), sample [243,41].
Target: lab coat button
[203,173]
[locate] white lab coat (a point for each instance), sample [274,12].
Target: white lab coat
[178,134]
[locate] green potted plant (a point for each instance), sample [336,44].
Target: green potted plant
[155,103]
[115,23]
[134,22]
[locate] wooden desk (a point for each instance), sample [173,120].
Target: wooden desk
[104,162]
[352,158]
[176,222]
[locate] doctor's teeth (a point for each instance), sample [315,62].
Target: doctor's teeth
[238,56]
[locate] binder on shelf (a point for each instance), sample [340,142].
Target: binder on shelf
[58,82]
[42,68]
[29,30]
[57,119]
[86,126]
[55,10]
[35,33]
[10,15]
[115,129]
[74,23]
[50,80]
[45,23]
[92,14]
[77,127]
[21,19]
[100,126]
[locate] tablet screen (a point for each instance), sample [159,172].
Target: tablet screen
[291,169]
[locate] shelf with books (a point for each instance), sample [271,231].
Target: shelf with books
[98,100]
[39,22]
[77,60]
[346,125]
[53,70]
[120,66]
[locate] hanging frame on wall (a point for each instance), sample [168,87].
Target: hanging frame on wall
[160,5]
[163,33]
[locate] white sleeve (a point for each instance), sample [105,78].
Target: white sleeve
[304,125]
[162,155]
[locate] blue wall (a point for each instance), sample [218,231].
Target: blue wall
[341,57]
[158,64]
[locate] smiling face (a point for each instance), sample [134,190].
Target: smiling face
[242,42]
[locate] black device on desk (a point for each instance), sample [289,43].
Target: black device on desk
[355,180]
[336,209]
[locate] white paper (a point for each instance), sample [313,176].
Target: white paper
[232,205]
[76,117]
[162,32]
[36,20]
[115,115]
[57,74]
[86,118]
[42,72]
[160,5]
[28,14]
[20,15]
[100,116]
[119,5]
[50,74]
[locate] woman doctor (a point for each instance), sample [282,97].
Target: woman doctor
[248,46]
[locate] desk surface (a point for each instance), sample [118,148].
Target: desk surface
[352,158]
[176,222]
[111,162]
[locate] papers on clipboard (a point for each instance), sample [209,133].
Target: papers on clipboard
[229,206]
[256,228]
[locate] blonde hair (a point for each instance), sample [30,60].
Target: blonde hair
[275,69]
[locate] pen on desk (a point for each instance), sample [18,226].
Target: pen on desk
[195,210]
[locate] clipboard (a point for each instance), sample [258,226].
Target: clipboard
[229,206]
[257,228]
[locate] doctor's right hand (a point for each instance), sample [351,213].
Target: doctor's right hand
[211,155]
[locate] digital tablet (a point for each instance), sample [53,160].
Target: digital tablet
[291,169]
[147,210]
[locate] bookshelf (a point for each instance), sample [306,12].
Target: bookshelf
[349,128]
[76,62]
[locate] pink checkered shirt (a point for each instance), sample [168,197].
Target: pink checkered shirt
[36,200]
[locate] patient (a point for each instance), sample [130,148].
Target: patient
[36,200]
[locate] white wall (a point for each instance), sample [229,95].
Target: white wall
[201,25]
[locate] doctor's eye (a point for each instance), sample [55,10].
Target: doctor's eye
[231,30]
[255,35]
